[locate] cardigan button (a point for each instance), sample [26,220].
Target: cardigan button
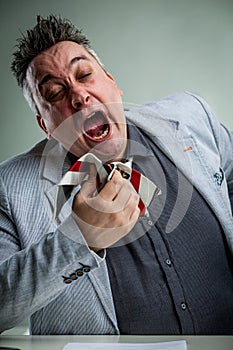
[183,306]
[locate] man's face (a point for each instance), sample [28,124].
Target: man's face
[79,103]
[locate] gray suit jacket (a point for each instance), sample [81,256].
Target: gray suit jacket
[35,251]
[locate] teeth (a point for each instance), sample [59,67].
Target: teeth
[105,133]
[91,115]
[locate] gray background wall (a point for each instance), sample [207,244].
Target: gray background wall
[152,48]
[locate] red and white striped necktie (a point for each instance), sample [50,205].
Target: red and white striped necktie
[79,171]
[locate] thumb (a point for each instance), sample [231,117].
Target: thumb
[90,186]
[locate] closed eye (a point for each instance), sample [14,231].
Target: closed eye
[55,95]
[82,77]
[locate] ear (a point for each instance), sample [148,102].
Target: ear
[42,125]
[111,78]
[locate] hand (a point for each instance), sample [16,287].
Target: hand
[110,215]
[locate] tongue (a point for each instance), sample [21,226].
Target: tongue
[96,131]
[95,126]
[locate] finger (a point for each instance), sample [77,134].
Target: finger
[123,196]
[90,186]
[112,187]
[135,214]
[131,207]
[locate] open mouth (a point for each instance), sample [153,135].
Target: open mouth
[96,127]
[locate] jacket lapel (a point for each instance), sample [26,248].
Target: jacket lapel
[52,167]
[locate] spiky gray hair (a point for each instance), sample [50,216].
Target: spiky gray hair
[46,33]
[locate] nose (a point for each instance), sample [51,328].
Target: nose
[79,98]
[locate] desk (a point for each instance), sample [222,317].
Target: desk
[57,342]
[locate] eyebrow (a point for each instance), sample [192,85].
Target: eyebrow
[48,77]
[77,59]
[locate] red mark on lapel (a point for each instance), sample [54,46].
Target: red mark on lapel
[188,149]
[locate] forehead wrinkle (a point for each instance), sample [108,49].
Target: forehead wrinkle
[73,61]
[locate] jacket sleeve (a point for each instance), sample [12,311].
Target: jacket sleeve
[31,277]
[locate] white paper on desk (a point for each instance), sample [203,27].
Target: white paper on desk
[171,345]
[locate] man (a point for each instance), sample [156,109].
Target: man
[101,267]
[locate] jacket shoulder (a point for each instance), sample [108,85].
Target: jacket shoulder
[181,107]
[21,163]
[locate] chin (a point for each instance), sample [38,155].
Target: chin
[112,150]
[109,150]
